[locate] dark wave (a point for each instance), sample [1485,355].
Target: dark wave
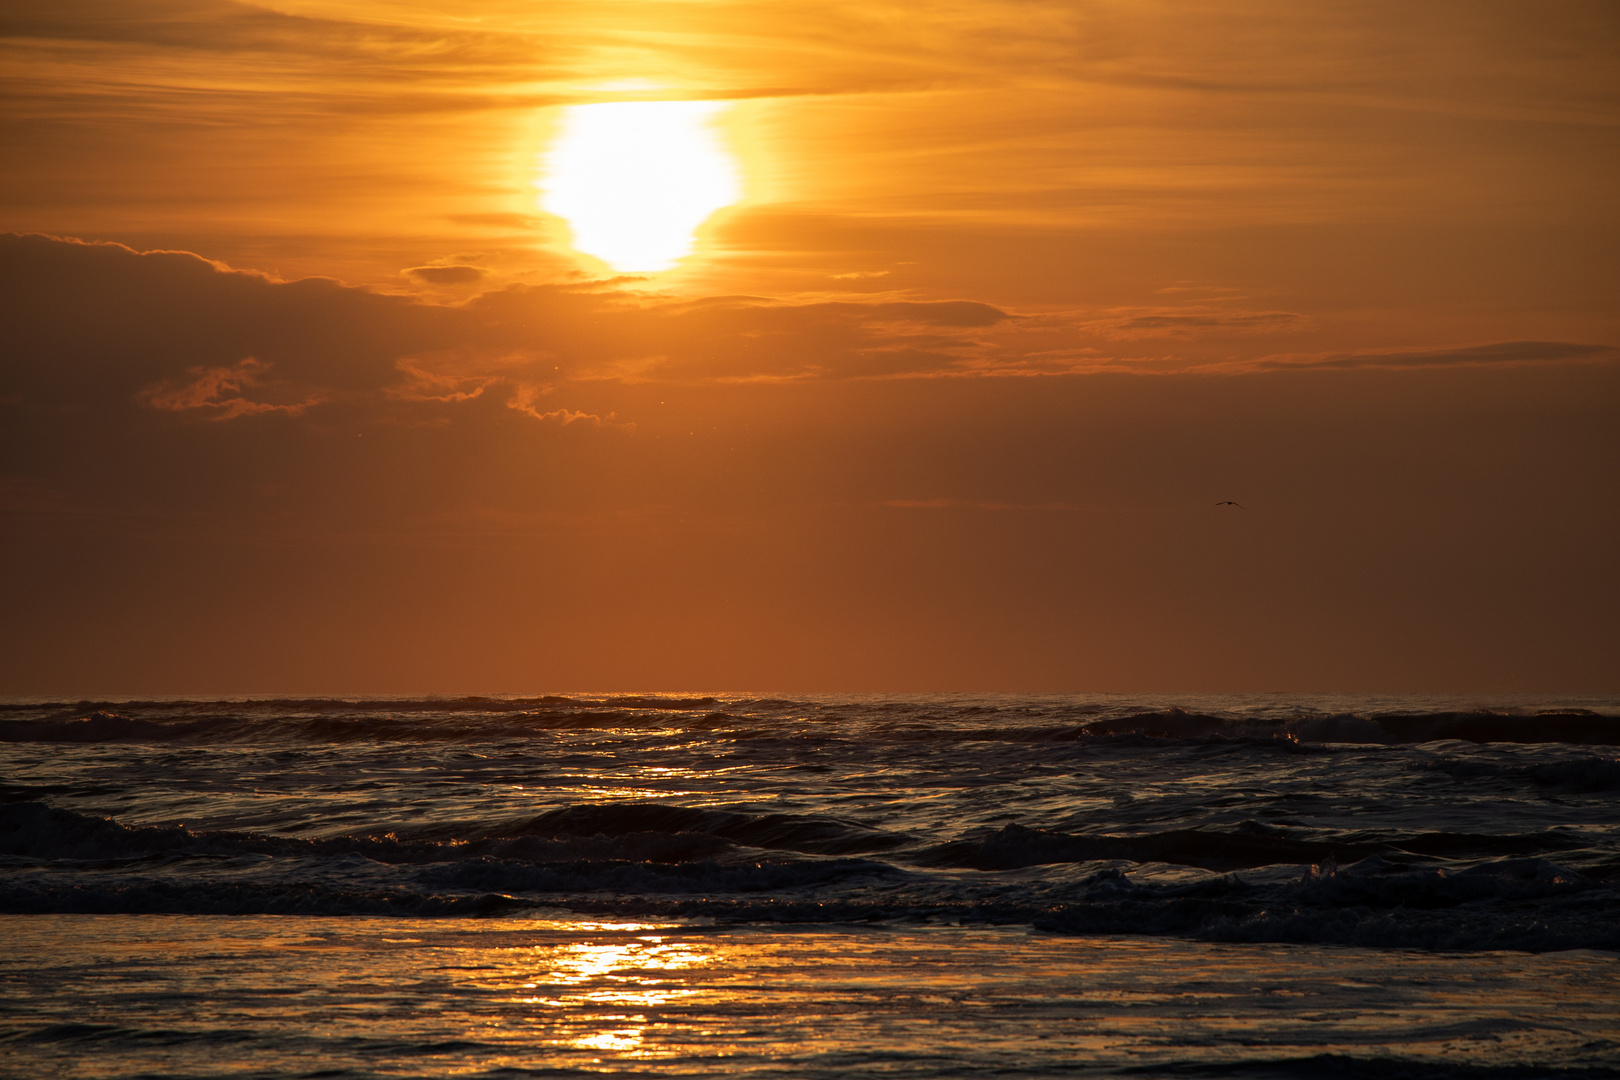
[484,719]
[108,727]
[1423,890]
[664,833]
[785,832]
[1016,846]
[1250,845]
[164,897]
[1579,727]
[103,1038]
[1346,1067]
[1527,905]
[103,1035]
[1584,776]
[1524,904]
[648,832]
[511,876]
[1573,726]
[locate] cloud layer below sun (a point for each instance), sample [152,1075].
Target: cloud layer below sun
[171,332]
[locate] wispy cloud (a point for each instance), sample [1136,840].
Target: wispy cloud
[1188,321]
[1495,353]
[220,393]
[447,275]
[105,325]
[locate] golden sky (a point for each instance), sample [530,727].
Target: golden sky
[304,391]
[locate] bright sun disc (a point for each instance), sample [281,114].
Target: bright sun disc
[635,179]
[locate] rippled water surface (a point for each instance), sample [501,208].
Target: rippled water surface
[274,996]
[933,884]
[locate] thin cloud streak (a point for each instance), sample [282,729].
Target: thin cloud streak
[1492,354]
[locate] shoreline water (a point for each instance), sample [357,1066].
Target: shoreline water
[104,996]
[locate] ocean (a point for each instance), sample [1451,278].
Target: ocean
[812,885]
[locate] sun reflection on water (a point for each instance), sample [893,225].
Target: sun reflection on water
[592,984]
[477,997]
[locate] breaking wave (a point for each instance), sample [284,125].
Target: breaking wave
[659,860]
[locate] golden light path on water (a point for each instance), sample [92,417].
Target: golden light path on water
[573,994]
[635,179]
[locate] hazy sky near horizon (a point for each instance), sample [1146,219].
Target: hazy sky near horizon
[303,392]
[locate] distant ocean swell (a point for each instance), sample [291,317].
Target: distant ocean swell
[482,719]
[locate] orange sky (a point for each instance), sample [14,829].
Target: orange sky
[323,402]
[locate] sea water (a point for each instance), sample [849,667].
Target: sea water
[928,885]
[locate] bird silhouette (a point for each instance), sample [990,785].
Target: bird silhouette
[1229,502]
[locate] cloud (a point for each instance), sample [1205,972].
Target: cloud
[593,332]
[1244,320]
[498,56]
[1185,322]
[446,275]
[218,392]
[502,54]
[96,325]
[199,27]
[527,398]
[102,328]
[423,385]
[1501,352]
[102,323]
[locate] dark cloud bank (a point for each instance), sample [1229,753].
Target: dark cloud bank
[218,481]
[103,322]
[173,332]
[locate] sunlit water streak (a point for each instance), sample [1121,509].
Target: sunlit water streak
[93,996]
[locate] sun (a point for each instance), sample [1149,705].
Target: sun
[635,179]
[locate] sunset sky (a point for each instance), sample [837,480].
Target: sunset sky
[303,391]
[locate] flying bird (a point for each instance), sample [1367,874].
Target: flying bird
[1229,502]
